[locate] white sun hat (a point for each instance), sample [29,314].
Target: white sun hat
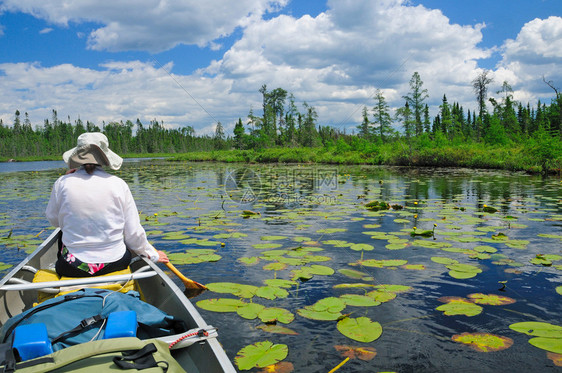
[92,147]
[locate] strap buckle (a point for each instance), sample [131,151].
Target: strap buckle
[90,321]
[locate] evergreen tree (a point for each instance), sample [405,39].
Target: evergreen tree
[382,115]
[404,115]
[446,119]
[415,101]
[364,128]
[308,129]
[17,123]
[239,134]
[426,120]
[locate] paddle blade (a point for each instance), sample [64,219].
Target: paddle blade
[189,284]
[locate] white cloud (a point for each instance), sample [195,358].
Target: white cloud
[153,25]
[341,56]
[120,91]
[535,52]
[46,30]
[334,61]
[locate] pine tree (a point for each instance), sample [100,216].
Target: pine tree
[415,101]
[382,115]
[239,134]
[404,114]
[364,128]
[426,120]
[445,113]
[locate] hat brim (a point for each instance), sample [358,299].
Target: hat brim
[111,159]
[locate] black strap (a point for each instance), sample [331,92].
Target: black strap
[9,361]
[87,322]
[148,349]
[140,359]
[10,364]
[33,311]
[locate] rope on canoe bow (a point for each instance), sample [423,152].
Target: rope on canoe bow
[199,333]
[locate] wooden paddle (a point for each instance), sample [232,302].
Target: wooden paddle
[189,284]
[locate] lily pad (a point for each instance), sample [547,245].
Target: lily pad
[177,236]
[463,271]
[325,309]
[443,260]
[337,243]
[273,314]
[491,299]
[194,256]
[538,329]
[265,246]
[331,230]
[396,246]
[352,273]
[260,354]
[276,266]
[273,238]
[280,283]
[460,307]
[548,344]
[221,304]
[276,329]
[394,288]
[359,300]
[485,249]
[240,290]
[381,296]
[330,304]
[362,247]
[361,353]
[556,358]
[230,235]
[250,310]
[382,263]
[360,329]
[306,273]
[484,342]
[310,313]
[271,292]
[356,285]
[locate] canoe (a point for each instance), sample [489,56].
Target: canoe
[18,293]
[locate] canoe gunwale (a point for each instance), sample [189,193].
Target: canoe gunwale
[207,355]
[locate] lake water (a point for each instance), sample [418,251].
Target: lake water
[310,216]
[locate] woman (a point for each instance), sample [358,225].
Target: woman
[96,213]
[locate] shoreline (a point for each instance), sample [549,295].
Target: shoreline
[499,158]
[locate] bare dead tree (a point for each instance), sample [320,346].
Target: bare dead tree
[551,85]
[480,87]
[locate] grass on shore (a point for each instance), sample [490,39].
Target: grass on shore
[516,158]
[475,155]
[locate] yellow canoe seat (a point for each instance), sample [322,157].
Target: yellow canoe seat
[46,275]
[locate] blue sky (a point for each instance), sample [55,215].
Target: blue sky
[148,59]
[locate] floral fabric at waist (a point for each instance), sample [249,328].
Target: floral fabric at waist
[90,268]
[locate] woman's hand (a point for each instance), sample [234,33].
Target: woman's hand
[162,257]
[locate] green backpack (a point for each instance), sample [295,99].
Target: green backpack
[129,354]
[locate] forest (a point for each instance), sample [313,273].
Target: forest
[501,133]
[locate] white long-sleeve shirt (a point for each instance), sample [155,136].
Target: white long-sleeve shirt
[98,217]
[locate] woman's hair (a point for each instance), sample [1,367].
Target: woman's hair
[90,167]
